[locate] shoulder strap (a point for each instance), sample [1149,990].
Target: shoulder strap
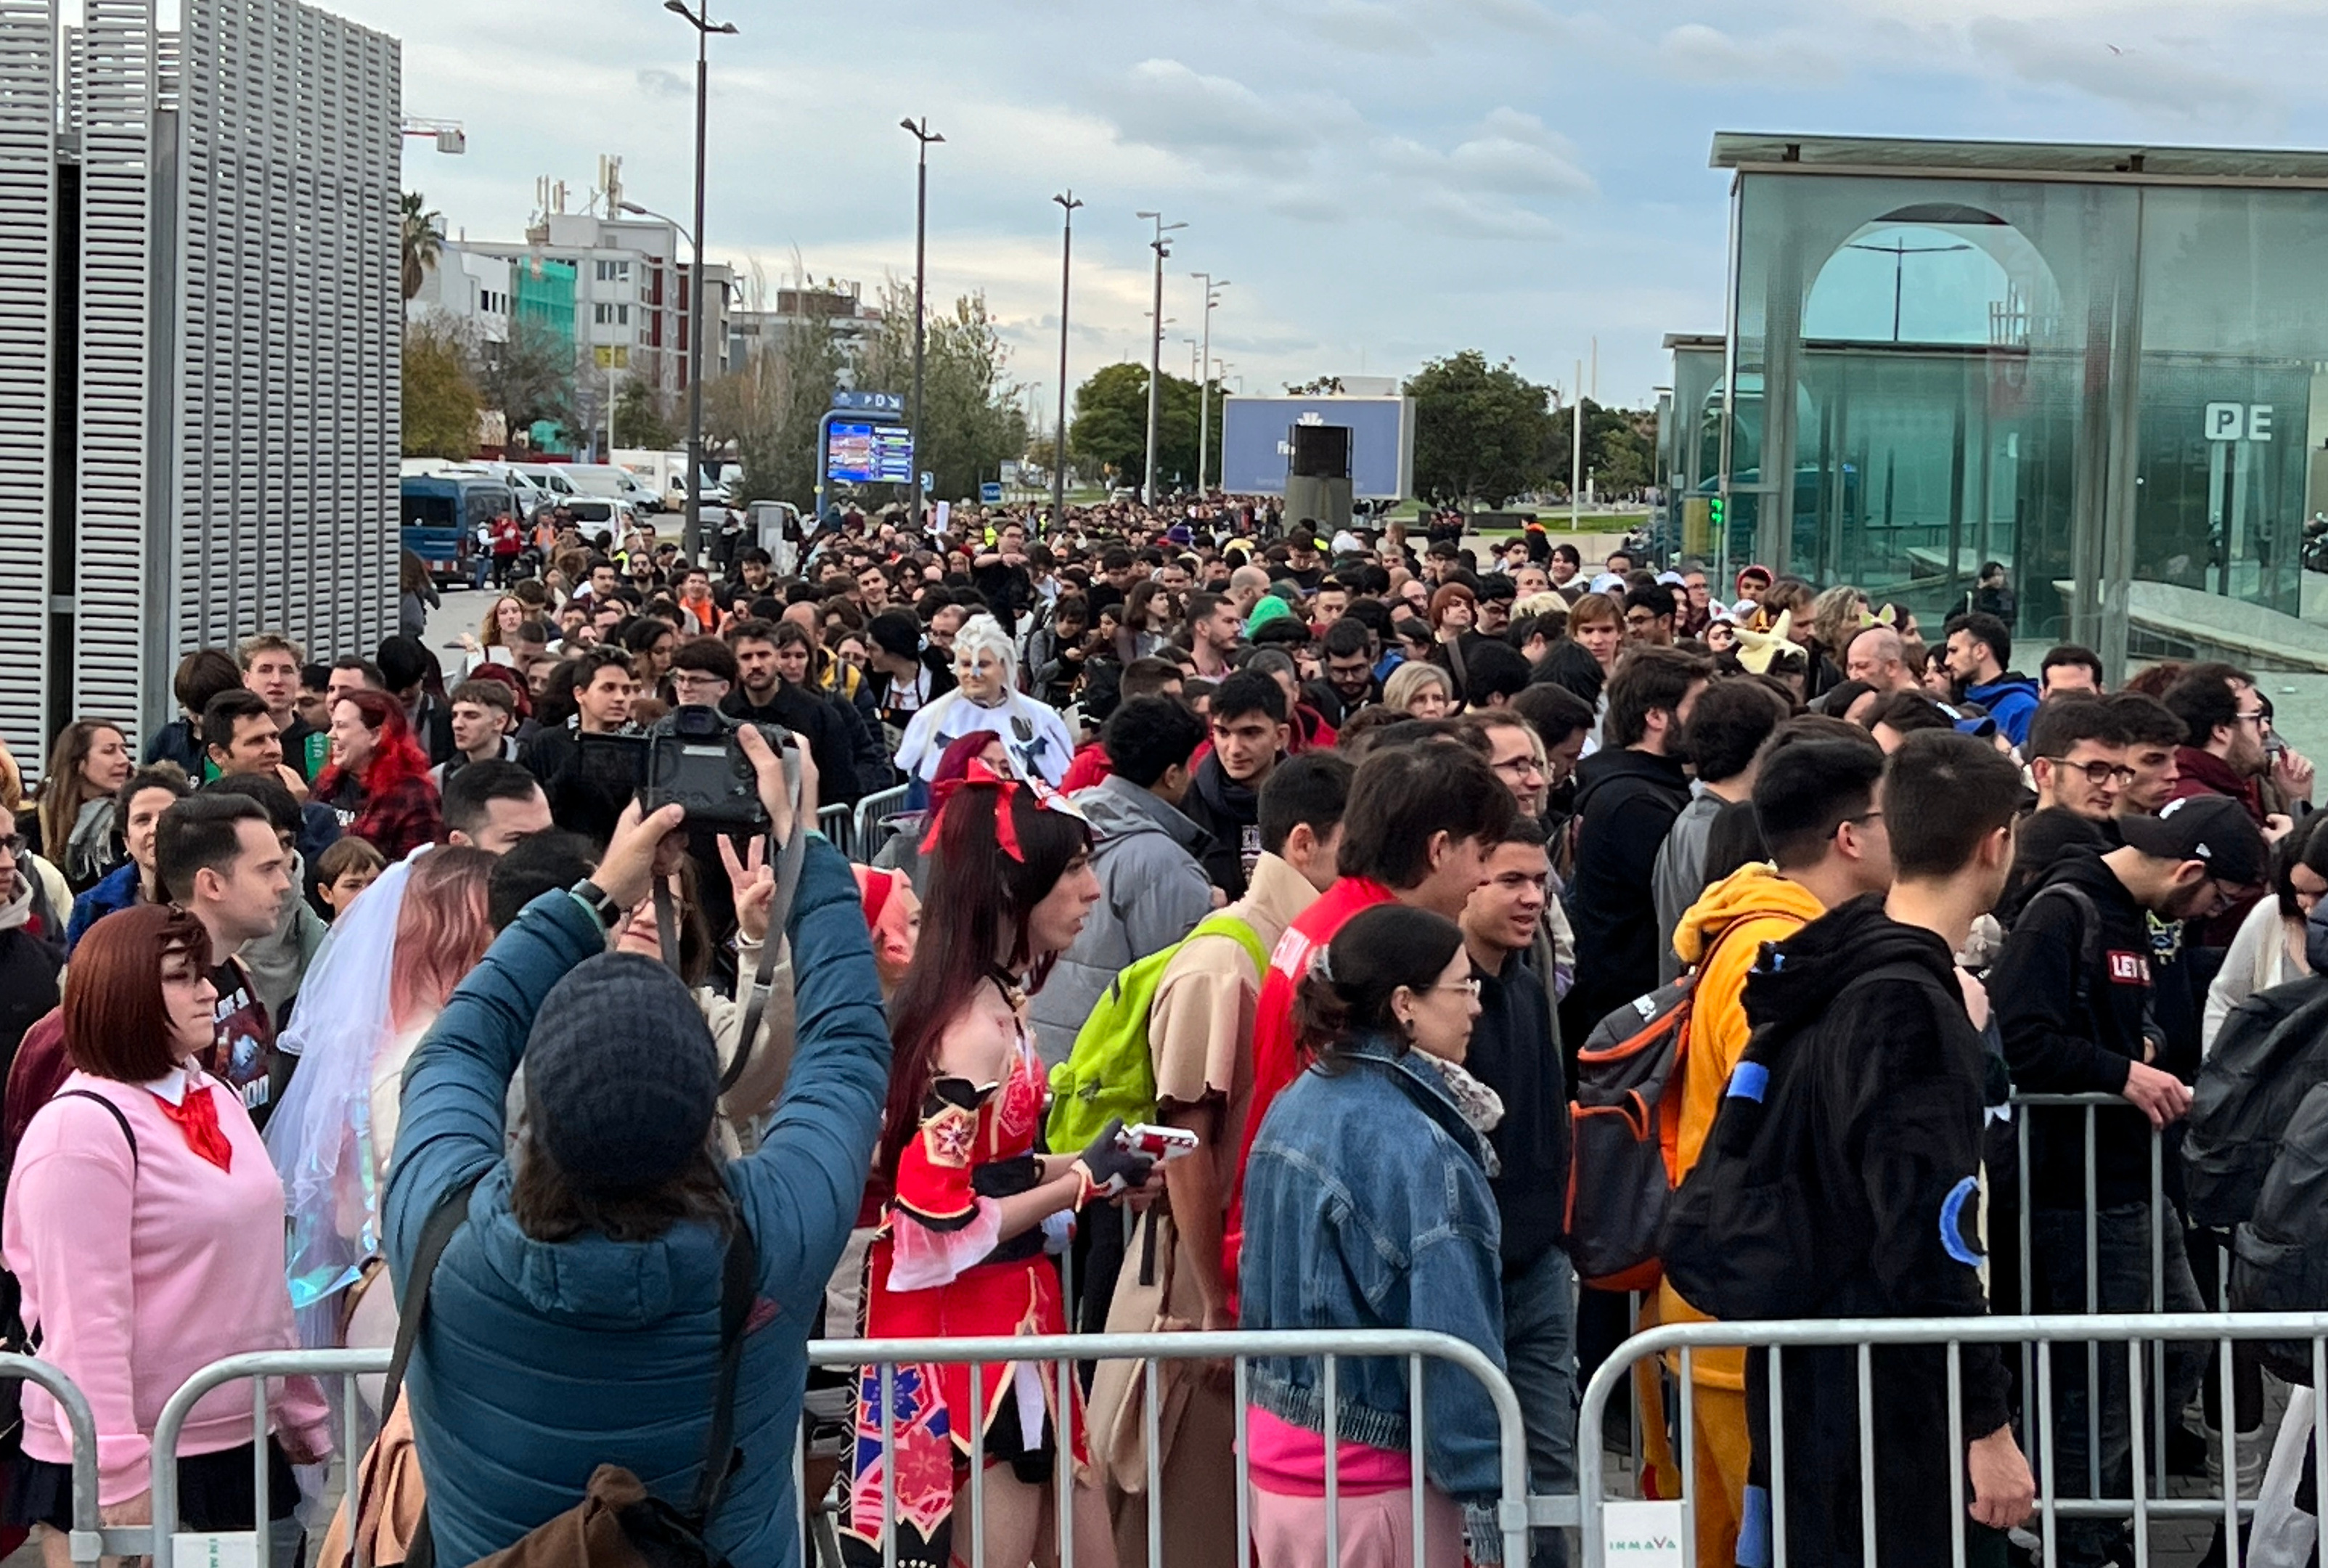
[443,1220]
[1242,932]
[120,1118]
[2089,934]
[739,1282]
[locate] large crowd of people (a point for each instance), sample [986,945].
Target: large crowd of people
[369,983]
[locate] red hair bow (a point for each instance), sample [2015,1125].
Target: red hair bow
[1005,785]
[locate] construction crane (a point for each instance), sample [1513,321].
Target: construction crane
[451,137]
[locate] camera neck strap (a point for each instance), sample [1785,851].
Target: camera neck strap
[786,858]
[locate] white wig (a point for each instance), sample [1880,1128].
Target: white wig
[982,634]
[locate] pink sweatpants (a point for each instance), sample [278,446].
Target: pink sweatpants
[1377,1531]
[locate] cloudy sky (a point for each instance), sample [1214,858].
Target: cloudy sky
[1384,181]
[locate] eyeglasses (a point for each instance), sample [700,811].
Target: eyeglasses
[1471,985]
[2097,773]
[13,844]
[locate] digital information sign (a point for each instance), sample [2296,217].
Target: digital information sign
[860,452]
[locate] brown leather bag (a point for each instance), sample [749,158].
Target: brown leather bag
[618,1523]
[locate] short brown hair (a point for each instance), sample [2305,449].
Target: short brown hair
[487,694]
[115,1024]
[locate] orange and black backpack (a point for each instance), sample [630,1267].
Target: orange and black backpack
[1625,1128]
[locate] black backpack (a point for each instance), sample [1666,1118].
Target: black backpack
[1746,1238]
[2272,1051]
[2279,1258]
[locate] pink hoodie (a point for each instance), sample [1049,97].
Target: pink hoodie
[142,1271]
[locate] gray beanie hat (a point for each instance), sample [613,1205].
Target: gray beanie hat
[622,1077]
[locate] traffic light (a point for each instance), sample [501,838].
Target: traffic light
[1715,512]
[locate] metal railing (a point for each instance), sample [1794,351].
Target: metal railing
[868,822]
[1865,1334]
[86,1541]
[1056,1355]
[835,823]
[258,1366]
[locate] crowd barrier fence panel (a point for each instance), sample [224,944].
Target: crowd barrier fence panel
[87,1540]
[1056,1355]
[2132,1329]
[867,824]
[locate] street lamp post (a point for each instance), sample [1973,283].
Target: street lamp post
[690,541]
[1162,248]
[1067,205]
[923,136]
[1204,379]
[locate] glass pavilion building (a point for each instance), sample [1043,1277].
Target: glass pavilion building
[2105,368]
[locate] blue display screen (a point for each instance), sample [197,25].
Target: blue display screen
[860,452]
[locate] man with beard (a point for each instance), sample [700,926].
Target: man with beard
[2073,996]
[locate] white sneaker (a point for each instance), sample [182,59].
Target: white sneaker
[2253,1453]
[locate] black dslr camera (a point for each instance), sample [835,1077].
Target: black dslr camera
[692,758]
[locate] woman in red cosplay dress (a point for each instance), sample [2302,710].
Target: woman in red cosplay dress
[976,1207]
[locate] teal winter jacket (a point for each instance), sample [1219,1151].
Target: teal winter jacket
[541,1361]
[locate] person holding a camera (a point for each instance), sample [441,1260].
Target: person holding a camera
[574,1320]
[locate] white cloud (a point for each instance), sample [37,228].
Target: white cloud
[2179,79]
[1165,104]
[1703,53]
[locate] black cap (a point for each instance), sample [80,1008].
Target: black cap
[2212,829]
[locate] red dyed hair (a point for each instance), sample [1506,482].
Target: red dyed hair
[115,1023]
[441,932]
[396,757]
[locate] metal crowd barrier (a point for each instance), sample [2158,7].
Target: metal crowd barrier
[86,1541]
[1057,1355]
[869,812]
[1862,1335]
[2163,1215]
[834,822]
[257,1367]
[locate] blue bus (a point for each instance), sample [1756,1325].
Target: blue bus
[441,515]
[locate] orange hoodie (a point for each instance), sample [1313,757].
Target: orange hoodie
[1751,905]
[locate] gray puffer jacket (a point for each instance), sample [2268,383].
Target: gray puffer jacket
[1152,892]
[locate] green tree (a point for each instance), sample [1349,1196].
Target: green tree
[1620,448]
[640,421]
[424,241]
[1110,427]
[528,376]
[769,406]
[972,418]
[1482,432]
[441,406]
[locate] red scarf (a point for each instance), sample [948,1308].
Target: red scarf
[196,1114]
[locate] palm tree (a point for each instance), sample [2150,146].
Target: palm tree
[424,241]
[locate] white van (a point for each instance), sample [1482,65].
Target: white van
[613,481]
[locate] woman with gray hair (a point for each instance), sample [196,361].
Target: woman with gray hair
[986,696]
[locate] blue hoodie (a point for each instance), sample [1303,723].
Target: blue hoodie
[542,1360]
[2010,700]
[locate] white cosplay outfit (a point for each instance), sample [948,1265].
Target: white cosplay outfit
[1032,732]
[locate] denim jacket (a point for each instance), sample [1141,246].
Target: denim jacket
[1366,1206]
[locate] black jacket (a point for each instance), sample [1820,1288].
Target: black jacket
[1885,1075]
[808,714]
[1514,1052]
[2056,1043]
[1228,811]
[1625,804]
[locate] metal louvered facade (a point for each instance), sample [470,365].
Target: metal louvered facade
[200,331]
[28,239]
